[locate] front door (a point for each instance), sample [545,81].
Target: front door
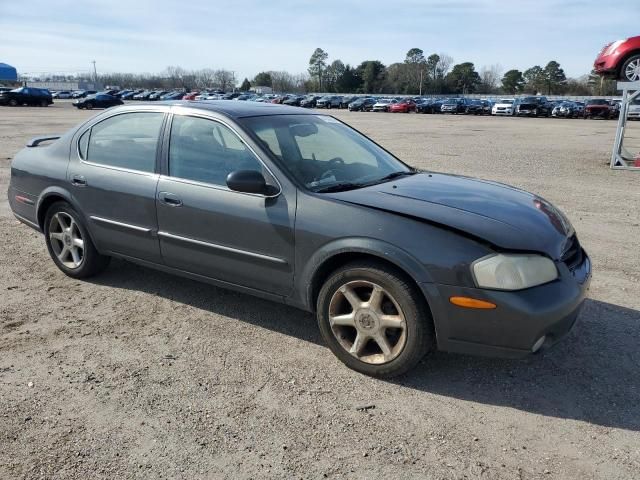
[207,229]
[113,178]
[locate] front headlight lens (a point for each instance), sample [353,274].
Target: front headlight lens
[513,272]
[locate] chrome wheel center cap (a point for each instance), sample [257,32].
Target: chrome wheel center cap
[67,239]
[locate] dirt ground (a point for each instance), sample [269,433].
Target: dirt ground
[138,374]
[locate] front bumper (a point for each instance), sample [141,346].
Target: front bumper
[520,320]
[607,64]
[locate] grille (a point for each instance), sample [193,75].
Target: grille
[572,256]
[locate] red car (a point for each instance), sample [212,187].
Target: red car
[620,59]
[598,107]
[190,96]
[405,106]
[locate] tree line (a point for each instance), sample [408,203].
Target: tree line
[437,74]
[417,74]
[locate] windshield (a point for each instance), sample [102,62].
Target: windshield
[322,153]
[598,102]
[506,100]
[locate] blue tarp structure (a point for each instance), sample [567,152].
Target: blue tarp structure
[7,72]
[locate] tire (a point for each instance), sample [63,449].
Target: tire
[400,302]
[59,215]
[44,103]
[88,105]
[633,60]
[13,102]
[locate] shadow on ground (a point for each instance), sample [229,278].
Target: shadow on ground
[593,375]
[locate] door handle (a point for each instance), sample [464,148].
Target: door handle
[78,181]
[169,199]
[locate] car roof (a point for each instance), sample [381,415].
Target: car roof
[235,109]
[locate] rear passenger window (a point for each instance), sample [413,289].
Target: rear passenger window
[206,151]
[126,141]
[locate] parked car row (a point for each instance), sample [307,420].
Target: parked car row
[531,106]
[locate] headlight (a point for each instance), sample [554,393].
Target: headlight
[513,271]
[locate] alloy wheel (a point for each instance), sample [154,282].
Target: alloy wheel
[632,70]
[367,322]
[66,240]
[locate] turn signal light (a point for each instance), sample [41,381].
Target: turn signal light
[468,302]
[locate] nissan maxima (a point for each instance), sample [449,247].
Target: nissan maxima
[302,209]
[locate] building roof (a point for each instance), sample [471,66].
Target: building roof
[7,72]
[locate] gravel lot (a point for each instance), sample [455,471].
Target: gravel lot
[138,374]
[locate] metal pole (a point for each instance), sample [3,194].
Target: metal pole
[420,82]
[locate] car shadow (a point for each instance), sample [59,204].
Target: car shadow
[239,306]
[593,375]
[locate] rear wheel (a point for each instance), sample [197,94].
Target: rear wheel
[374,320]
[630,71]
[69,244]
[13,102]
[44,103]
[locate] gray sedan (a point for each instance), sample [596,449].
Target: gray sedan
[302,209]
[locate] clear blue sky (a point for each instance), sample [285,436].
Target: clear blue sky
[250,36]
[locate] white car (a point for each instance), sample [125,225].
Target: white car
[382,105]
[63,94]
[504,106]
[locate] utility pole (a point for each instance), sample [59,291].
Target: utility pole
[420,82]
[95,73]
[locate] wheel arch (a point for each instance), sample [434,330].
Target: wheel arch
[624,59]
[56,194]
[47,198]
[332,256]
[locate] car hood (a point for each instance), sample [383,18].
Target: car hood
[503,104]
[504,216]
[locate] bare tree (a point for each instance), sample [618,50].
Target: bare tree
[204,78]
[174,76]
[489,78]
[282,81]
[444,64]
[224,79]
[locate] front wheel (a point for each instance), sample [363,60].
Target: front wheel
[374,319]
[13,102]
[630,71]
[88,106]
[69,244]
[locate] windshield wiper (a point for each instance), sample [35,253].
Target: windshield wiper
[340,187]
[393,175]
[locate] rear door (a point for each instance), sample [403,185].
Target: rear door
[113,174]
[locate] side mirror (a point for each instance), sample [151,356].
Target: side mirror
[248,181]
